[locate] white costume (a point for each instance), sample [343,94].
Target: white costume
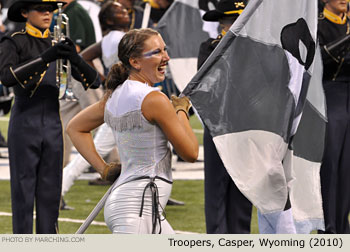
[136,202]
[109,46]
[103,140]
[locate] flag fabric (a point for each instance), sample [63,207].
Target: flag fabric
[251,93]
[308,146]
[183,30]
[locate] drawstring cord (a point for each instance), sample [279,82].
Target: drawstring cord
[155,204]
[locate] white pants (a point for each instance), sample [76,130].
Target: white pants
[104,143]
[276,223]
[122,208]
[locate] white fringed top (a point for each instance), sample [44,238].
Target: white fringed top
[142,146]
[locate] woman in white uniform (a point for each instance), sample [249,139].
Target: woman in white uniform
[143,121]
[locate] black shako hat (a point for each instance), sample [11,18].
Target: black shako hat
[15,14]
[225,8]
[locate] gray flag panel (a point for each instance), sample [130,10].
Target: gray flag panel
[308,142]
[181,29]
[250,93]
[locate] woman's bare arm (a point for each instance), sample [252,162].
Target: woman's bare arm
[92,52]
[157,108]
[79,130]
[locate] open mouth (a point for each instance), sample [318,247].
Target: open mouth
[162,68]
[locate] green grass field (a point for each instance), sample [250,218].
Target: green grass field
[84,197]
[188,218]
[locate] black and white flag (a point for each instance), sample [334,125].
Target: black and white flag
[183,30]
[251,93]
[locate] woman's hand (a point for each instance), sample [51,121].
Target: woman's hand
[111,171]
[181,104]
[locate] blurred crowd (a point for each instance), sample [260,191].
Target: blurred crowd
[97,27]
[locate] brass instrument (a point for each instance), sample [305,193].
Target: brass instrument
[63,78]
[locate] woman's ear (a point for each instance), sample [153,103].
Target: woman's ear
[134,62]
[109,22]
[24,13]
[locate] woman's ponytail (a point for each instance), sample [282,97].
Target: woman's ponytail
[116,76]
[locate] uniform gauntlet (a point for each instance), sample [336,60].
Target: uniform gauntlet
[28,74]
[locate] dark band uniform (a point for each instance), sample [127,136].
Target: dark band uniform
[335,171]
[227,210]
[35,132]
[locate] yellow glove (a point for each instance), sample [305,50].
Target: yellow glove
[181,103]
[111,171]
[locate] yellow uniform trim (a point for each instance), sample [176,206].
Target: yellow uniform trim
[132,23]
[14,75]
[233,12]
[333,17]
[37,84]
[240,4]
[20,32]
[152,3]
[35,32]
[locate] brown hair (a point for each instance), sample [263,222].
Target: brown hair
[130,46]
[106,13]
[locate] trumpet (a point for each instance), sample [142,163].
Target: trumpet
[63,71]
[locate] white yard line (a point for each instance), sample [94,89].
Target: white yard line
[5,214]
[198,131]
[98,223]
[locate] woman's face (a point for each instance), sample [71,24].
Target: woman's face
[338,7]
[39,16]
[120,15]
[163,4]
[152,64]
[127,3]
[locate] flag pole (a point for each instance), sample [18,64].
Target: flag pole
[95,211]
[0,16]
[146,15]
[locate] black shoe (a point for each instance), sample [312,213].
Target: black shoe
[172,202]
[179,159]
[90,170]
[99,181]
[63,205]
[3,142]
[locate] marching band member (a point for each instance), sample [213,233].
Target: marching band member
[35,139]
